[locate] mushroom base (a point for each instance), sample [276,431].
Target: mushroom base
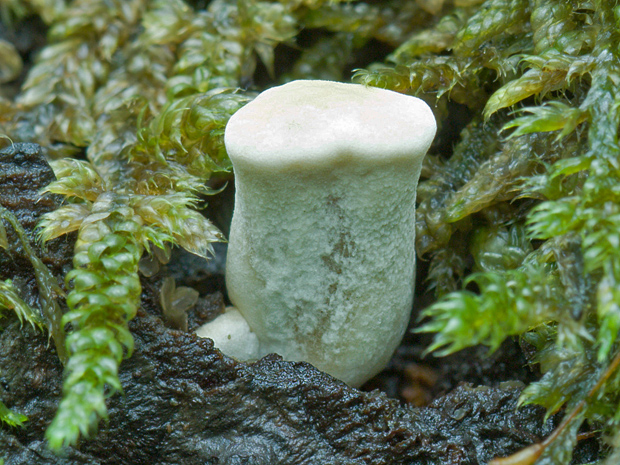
[324,273]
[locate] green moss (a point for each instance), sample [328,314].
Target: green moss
[536,209]
[523,205]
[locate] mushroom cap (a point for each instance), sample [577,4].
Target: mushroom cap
[325,123]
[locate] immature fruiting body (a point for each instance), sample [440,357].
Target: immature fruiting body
[321,256]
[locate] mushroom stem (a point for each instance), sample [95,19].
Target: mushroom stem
[321,258]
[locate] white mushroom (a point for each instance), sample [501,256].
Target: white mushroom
[321,259]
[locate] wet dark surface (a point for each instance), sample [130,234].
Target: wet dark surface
[185,403]
[23,173]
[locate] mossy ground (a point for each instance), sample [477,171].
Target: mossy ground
[519,205]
